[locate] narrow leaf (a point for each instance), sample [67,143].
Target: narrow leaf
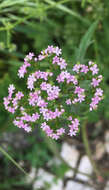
[12,160]
[85,42]
[67,10]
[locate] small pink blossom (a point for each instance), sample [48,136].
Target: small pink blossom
[94,103]
[76,68]
[68,102]
[78,90]
[95,82]
[74,127]
[84,69]
[99,92]
[94,69]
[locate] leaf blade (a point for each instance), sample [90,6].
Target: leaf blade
[85,42]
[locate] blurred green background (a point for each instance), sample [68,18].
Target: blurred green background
[30,26]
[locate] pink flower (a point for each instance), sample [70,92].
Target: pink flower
[47,129]
[68,102]
[11,109]
[41,57]
[75,100]
[41,102]
[23,69]
[62,63]
[78,90]
[50,49]
[14,101]
[55,136]
[95,82]
[90,63]
[84,69]
[35,76]
[35,117]
[94,103]
[76,68]
[74,127]
[6,102]
[61,77]
[35,59]
[70,118]
[80,68]
[69,78]
[55,59]
[20,124]
[29,56]
[99,92]
[11,89]
[33,98]
[30,82]
[60,131]
[72,78]
[94,69]
[57,51]
[81,98]
[19,95]
[53,93]
[43,86]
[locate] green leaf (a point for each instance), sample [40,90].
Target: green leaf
[7,3]
[13,161]
[83,3]
[85,84]
[85,42]
[67,10]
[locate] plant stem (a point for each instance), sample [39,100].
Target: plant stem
[87,148]
[8,38]
[83,3]
[52,145]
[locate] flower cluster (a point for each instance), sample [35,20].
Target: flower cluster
[52,93]
[80,93]
[35,99]
[95,81]
[80,68]
[73,126]
[69,78]
[50,133]
[96,99]
[49,115]
[13,101]
[20,121]
[35,76]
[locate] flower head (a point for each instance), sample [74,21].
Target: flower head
[53,94]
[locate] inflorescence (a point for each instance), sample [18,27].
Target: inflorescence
[51,94]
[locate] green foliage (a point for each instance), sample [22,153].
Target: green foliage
[84,44]
[38,155]
[12,160]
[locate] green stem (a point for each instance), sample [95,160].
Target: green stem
[53,147]
[87,148]
[8,38]
[83,3]
[13,161]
